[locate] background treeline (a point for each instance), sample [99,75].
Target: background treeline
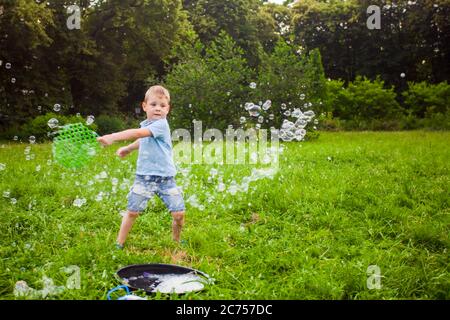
[314,54]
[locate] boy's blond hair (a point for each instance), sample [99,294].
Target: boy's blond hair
[159,90]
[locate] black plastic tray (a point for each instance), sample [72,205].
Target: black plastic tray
[149,284]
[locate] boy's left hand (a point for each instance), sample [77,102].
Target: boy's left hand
[105,140]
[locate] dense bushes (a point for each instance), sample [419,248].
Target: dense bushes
[110,123]
[424,99]
[213,85]
[368,105]
[365,100]
[39,128]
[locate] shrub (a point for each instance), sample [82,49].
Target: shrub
[39,128]
[366,100]
[209,87]
[109,123]
[423,99]
[437,121]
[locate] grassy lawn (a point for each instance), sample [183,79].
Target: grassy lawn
[337,205]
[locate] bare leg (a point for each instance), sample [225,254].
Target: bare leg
[127,223]
[177,224]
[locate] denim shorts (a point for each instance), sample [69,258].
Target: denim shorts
[145,188]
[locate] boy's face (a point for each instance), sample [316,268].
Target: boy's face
[156,107]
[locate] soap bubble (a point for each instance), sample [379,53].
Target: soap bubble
[221,187]
[233,189]
[53,123]
[32,139]
[297,113]
[302,96]
[267,105]
[57,107]
[287,113]
[15,138]
[253,85]
[287,125]
[283,106]
[402,75]
[260,119]
[286,135]
[299,134]
[99,197]
[91,151]
[90,120]
[254,110]
[310,113]
[13,80]
[213,172]
[300,123]
[8,65]
[2,166]
[242,120]
[271,116]
[79,202]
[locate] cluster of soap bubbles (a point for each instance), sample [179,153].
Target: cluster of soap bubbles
[289,130]
[217,188]
[296,130]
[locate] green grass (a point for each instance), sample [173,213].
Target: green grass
[337,205]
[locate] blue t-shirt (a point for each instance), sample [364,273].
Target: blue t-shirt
[155,152]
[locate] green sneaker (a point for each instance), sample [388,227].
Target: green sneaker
[119,246]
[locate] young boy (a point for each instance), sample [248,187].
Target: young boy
[155,170]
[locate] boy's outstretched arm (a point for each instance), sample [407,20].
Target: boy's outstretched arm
[130,134]
[124,151]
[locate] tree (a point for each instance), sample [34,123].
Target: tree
[238,18]
[23,40]
[413,40]
[273,23]
[209,87]
[96,68]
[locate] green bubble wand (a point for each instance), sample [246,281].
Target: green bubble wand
[75,145]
